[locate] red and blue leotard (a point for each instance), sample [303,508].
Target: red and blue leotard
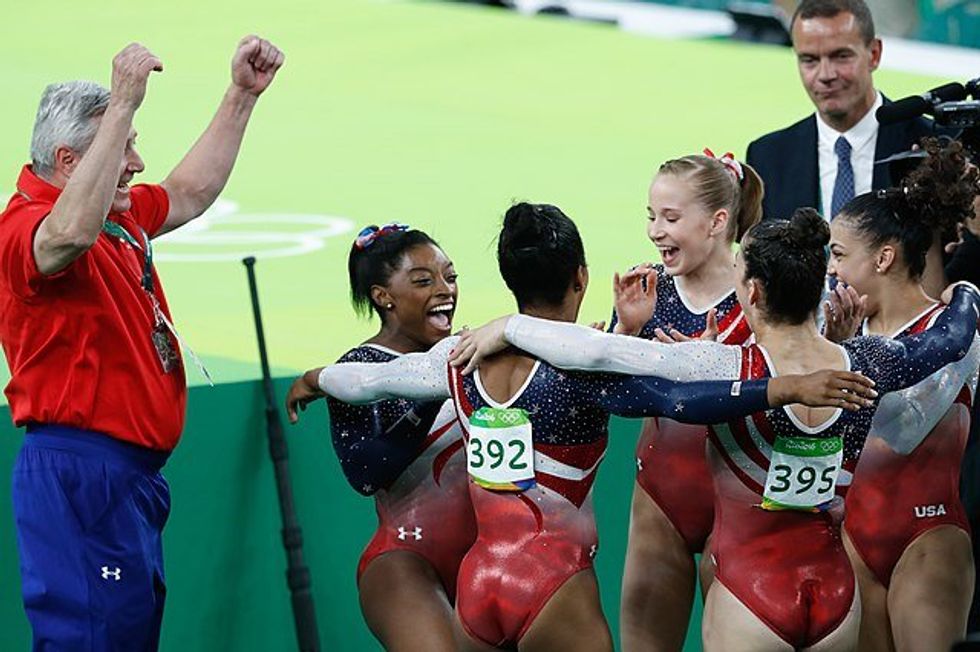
[410,457]
[789,568]
[907,481]
[529,543]
[670,456]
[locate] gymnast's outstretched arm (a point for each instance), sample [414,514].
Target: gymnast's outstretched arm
[417,376]
[905,361]
[717,401]
[569,346]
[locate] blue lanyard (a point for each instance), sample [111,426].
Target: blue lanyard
[115,229]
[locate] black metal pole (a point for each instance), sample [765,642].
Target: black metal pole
[297,574]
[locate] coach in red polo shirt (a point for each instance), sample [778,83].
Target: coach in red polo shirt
[97,375]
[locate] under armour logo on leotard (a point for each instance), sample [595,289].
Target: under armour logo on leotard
[417,533]
[844,184]
[114,574]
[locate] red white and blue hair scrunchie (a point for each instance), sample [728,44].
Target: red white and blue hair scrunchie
[730,162]
[369,234]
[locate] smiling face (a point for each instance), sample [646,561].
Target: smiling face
[683,230]
[835,65]
[131,164]
[853,262]
[422,291]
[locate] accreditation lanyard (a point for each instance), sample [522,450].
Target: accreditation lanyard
[146,282]
[115,229]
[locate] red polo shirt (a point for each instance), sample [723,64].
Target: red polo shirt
[78,342]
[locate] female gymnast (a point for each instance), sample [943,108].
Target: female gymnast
[907,531]
[408,455]
[698,206]
[783,580]
[535,437]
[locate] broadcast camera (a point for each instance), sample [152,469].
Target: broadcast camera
[949,107]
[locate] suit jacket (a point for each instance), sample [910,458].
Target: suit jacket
[787,161]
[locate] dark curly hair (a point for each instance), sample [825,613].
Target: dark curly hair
[539,251]
[789,259]
[929,203]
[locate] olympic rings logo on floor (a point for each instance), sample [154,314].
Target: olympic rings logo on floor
[222,233]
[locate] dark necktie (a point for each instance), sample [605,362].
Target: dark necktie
[844,184]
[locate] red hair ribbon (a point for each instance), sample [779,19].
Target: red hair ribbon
[730,162]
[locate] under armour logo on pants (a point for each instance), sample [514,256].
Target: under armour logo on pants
[844,184]
[114,574]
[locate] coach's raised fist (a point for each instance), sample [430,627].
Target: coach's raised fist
[255,64]
[130,70]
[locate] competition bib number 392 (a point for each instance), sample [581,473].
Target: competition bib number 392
[803,473]
[500,451]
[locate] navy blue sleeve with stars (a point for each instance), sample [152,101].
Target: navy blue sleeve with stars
[696,402]
[375,443]
[895,364]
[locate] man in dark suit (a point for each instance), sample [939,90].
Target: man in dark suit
[828,158]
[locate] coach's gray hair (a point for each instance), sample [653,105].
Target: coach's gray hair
[64,118]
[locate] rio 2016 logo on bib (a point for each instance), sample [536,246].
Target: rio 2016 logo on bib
[803,473]
[500,450]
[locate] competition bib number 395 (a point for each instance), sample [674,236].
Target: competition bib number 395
[803,473]
[500,451]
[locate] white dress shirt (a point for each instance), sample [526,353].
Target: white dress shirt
[863,137]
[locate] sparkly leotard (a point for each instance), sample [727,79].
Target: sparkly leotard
[788,567]
[531,542]
[670,456]
[410,457]
[907,481]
